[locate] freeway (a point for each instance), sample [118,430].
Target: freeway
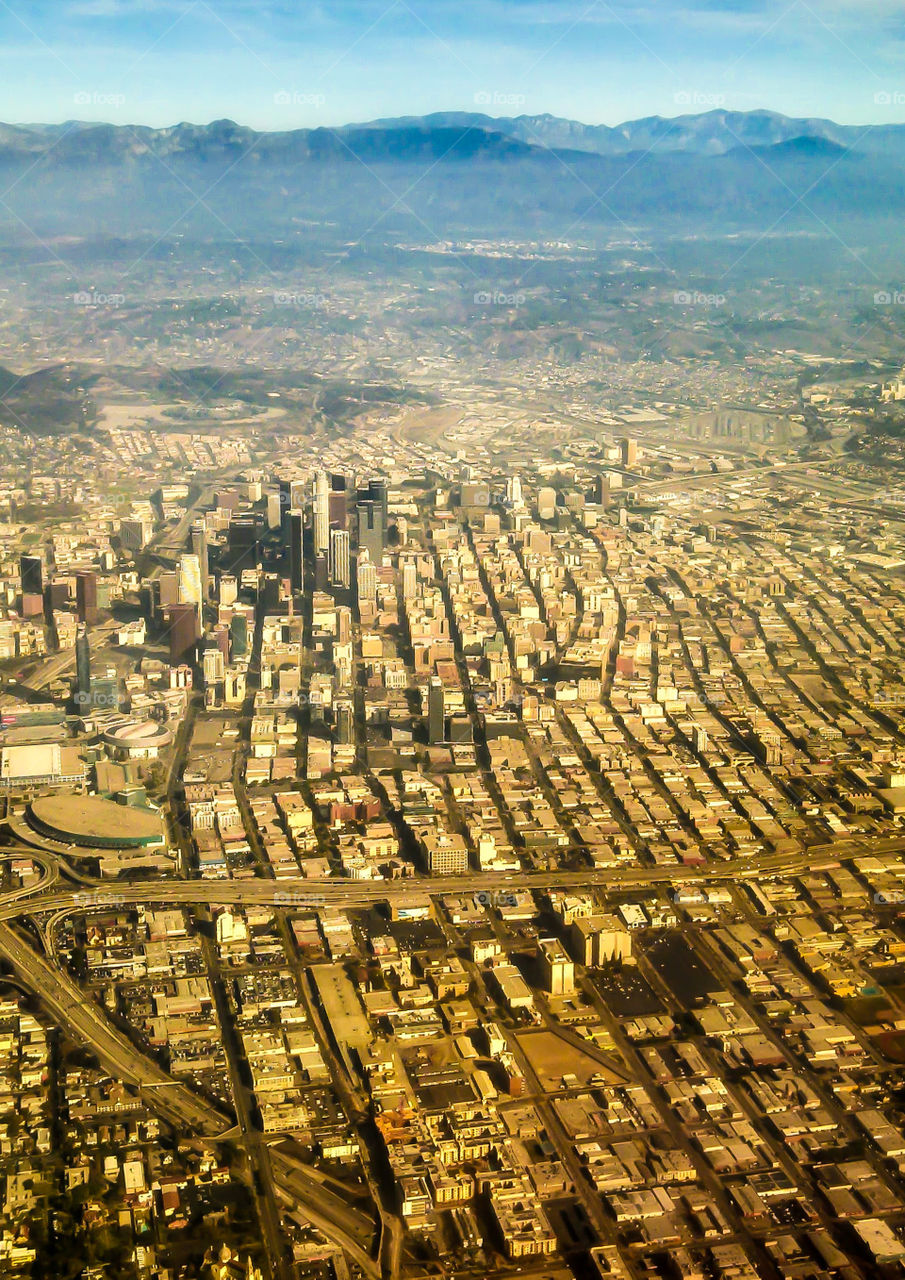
[178,1104]
[298,893]
[52,898]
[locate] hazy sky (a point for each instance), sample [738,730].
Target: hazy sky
[287,63]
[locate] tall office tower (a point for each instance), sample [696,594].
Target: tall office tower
[213,666]
[296,543]
[436,711]
[340,562]
[199,549]
[269,594]
[31,571]
[183,633]
[602,487]
[229,588]
[371,503]
[343,625]
[275,510]
[409,579]
[86,596]
[345,720]
[628,450]
[321,572]
[546,502]
[514,491]
[367,580]
[321,514]
[165,590]
[82,667]
[220,638]
[243,550]
[238,635]
[188,588]
[338,505]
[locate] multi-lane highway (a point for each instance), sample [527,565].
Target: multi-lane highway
[178,1104]
[54,895]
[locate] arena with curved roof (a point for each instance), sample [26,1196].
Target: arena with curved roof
[95,823]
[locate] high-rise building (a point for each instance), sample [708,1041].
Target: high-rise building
[243,549]
[514,491]
[628,451]
[321,514]
[213,666]
[229,588]
[86,596]
[367,581]
[344,721]
[338,504]
[199,549]
[371,503]
[343,625]
[275,509]
[269,593]
[436,712]
[340,559]
[409,579]
[238,636]
[296,548]
[556,966]
[546,502]
[82,667]
[31,571]
[182,631]
[189,588]
[164,591]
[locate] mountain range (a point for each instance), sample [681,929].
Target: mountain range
[453,171]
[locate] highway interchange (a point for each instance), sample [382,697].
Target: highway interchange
[59,892]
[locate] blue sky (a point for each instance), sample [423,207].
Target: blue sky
[284,64]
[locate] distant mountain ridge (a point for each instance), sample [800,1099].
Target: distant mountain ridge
[456,173]
[710,133]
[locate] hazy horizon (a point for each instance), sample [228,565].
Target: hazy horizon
[273,65]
